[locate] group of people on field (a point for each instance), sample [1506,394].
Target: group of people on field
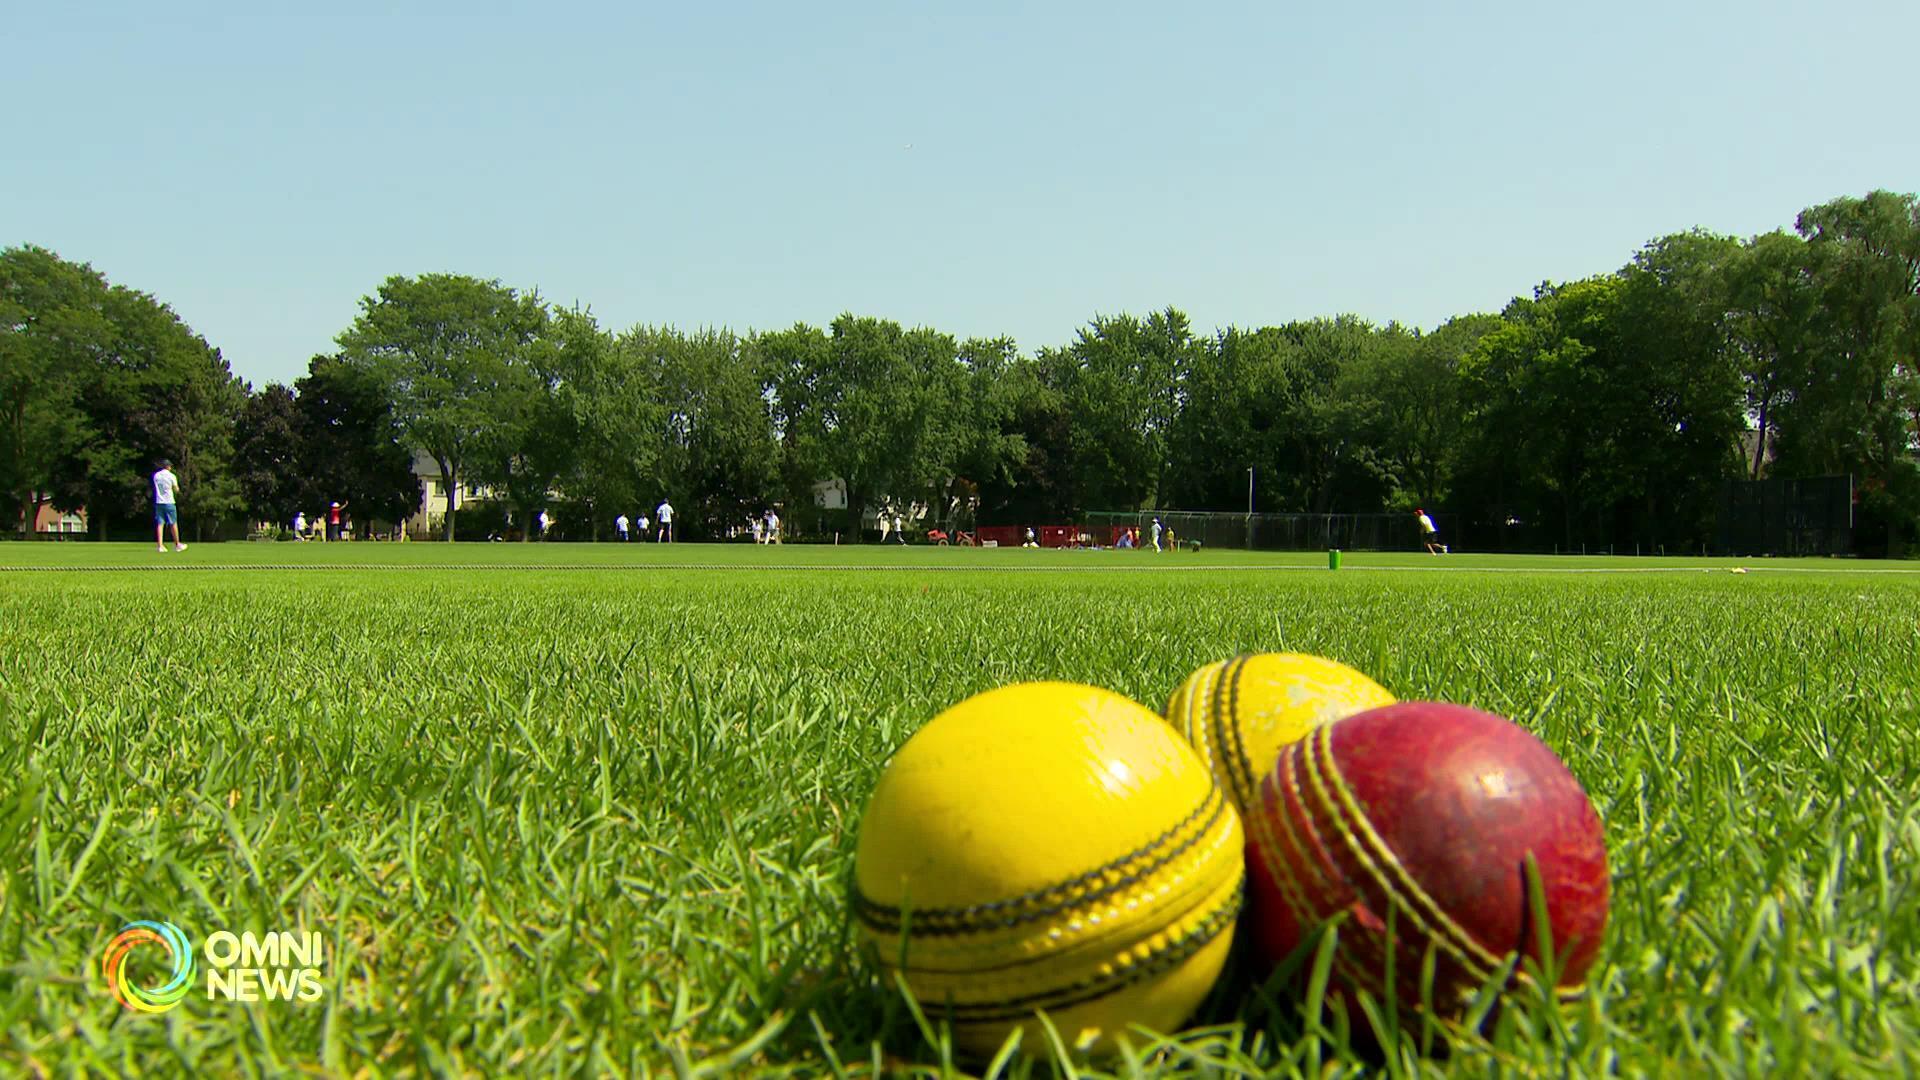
[766,528]
[334,524]
[624,528]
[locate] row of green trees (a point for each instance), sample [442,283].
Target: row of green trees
[1603,412]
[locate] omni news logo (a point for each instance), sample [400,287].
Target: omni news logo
[244,967]
[154,999]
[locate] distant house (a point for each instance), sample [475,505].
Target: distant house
[431,518]
[49,520]
[830,494]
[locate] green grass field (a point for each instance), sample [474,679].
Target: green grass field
[573,809]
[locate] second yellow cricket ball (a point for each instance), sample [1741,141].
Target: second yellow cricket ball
[1238,713]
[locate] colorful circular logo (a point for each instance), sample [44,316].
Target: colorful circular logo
[141,998]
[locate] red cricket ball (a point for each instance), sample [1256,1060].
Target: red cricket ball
[1427,811]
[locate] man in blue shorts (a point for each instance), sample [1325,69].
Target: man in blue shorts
[165,511]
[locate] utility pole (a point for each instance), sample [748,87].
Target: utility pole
[1249,508]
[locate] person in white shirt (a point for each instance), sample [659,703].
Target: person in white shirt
[899,527]
[1429,534]
[885,521]
[665,513]
[300,525]
[759,527]
[166,510]
[1156,534]
[773,527]
[646,523]
[543,521]
[620,527]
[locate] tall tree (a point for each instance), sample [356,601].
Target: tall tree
[1607,411]
[877,406]
[535,441]
[1539,410]
[1328,411]
[1121,382]
[269,458]
[792,363]
[351,448]
[52,327]
[615,399]
[446,348]
[1770,309]
[993,450]
[156,390]
[1858,408]
[718,456]
[1226,440]
[1678,377]
[1422,419]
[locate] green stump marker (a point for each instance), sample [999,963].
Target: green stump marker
[1333,558]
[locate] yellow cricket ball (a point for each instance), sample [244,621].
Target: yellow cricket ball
[1238,713]
[1049,847]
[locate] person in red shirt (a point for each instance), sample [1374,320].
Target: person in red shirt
[333,520]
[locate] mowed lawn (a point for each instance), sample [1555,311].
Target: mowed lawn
[589,809]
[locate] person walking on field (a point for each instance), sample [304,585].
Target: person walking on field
[166,510]
[665,513]
[620,527]
[773,527]
[1156,534]
[333,520]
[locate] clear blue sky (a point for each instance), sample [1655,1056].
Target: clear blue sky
[981,168]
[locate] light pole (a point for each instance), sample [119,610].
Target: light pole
[1249,508]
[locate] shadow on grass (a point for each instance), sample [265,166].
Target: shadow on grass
[850,1019]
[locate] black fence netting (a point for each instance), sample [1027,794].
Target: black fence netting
[1802,516]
